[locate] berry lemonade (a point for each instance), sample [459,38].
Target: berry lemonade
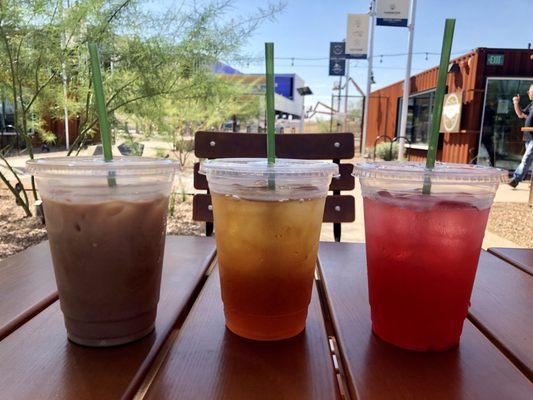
[422,255]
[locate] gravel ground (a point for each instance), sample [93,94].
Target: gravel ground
[18,232]
[513,221]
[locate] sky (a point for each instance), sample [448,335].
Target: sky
[306,27]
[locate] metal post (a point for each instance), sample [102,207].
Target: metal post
[65,110]
[347,86]
[331,115]
[339,98]
[64,79]
[531,191]
[369,74]
[405,101]
[302,117]
[338,104]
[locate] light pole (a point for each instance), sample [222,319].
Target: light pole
[369,74]
[405,100]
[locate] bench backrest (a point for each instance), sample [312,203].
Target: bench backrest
[314,146]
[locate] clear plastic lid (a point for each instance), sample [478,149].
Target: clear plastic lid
[442,173]
[254,178]
[97,167]
[259,167]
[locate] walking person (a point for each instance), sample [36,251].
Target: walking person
[527,114]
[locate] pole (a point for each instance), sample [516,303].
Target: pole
[530,200]
[339,98]
[339,94]
[347,86]
[405,101]
[302,117]
[369,74]
[64,79]
[331,115]
[65,108]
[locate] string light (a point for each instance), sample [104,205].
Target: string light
[380,56]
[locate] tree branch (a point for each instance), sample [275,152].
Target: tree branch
[17,178]
[39,90]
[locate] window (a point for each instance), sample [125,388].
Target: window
[501,142]
[419,114]
[7,116]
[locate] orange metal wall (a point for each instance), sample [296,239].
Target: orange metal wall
[457,147]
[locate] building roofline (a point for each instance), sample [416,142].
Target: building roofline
[469,54]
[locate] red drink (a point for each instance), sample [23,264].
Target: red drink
[422,254]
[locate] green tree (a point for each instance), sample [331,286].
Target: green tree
[150,59]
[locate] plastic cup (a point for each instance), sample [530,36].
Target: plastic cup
[267,225]
[107,242]
[423,249]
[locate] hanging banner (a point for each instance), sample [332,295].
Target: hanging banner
[337,67]
[392,12]
[336,50]
[357,35]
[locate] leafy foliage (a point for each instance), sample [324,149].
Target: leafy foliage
[156,64]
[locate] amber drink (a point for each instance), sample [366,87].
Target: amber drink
[267,228]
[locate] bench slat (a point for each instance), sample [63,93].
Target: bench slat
[377,370]
[38,362]
[338,208]
[209,362]
[345,180]
[316,146]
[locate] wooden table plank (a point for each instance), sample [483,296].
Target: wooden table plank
[37,360]
[502,307]
[377,370]
[207,361]
[520,258]
[27,286]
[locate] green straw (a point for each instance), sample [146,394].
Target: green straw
[101,110]
[271,139]
[439,98]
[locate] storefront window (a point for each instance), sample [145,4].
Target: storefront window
[7,116]
[501,142]
[419,113]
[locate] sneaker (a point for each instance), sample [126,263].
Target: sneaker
[513,183]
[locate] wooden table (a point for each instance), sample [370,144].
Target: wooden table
[192,356]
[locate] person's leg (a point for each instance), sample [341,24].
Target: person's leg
[525,164]
[486,140]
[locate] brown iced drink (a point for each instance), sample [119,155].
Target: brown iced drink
[107,258]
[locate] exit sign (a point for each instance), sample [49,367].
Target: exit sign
[495,59]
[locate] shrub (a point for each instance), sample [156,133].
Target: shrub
[383,151]
[161,153]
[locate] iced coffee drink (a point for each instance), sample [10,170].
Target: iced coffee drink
[107,244]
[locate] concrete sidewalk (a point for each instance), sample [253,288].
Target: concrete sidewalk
[506,194]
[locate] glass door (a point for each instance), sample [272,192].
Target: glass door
[501,142]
